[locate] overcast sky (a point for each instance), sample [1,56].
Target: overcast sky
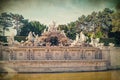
[61,11]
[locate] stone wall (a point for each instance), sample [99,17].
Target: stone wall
[55,59]
[112,60]
[56,53]
[115,57]
[56,65]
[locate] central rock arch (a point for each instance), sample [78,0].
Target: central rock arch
[54,38]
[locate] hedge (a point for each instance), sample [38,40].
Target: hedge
[106,41]
[18,38]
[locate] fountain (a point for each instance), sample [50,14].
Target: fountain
[54,52]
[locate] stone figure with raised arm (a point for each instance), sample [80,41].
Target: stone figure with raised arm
[35,36]
[94,42]
[54,23]
[49,28]
[75,41]
[82,37]
[44,30]
[63,32]
[77,37]
[10,39]
[30,37]
[91,38]
[52,27]
[36,41]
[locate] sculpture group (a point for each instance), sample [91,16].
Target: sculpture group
[34,40]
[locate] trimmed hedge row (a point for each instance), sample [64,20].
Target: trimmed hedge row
[106,41]
[3,39]
[18,38]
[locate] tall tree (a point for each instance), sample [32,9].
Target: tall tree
[116,21]
[11,20]
[34,26]
[5,22]
[18,22]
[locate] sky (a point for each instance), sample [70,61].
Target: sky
[60,11]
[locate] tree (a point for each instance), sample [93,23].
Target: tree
[63,27]
[5,22]
[116,21]
[11,20]
[34,26]
[81,19]
[18,22]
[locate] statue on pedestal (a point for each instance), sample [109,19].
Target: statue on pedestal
[111,44]
[77,38]
[94,42]
[52,27]
[44,30]
[36,41]
[10,40]
[30,37]
[62,32]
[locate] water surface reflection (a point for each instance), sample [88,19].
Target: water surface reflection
[104,75]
